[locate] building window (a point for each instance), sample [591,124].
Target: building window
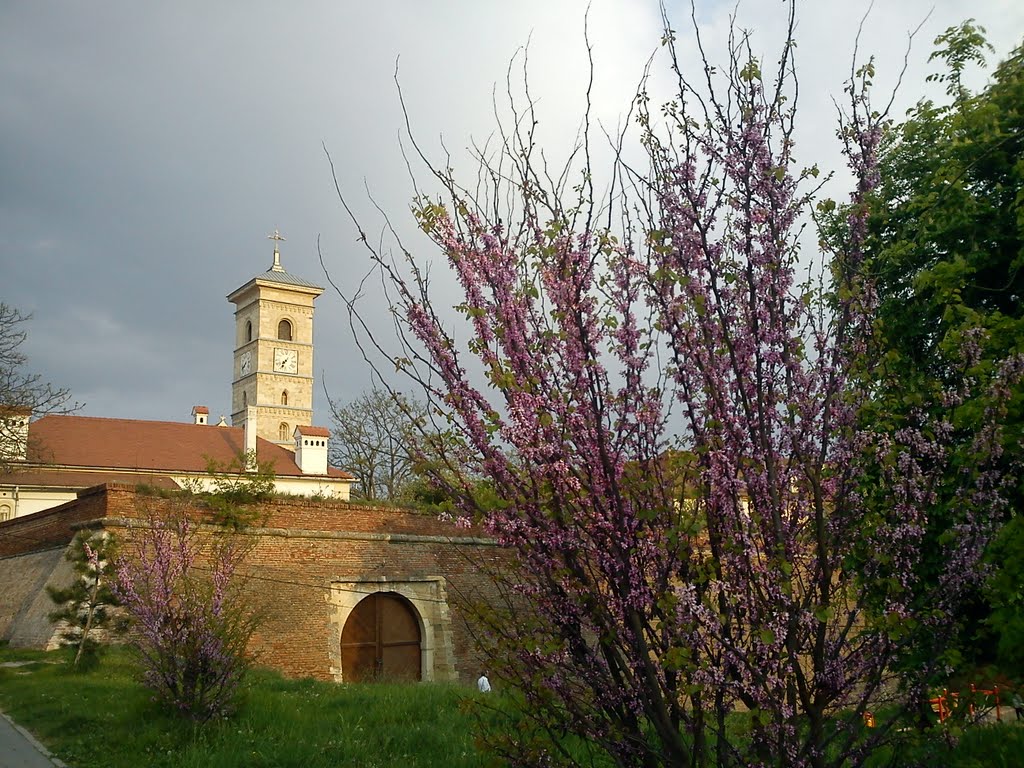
[284,397]
[282,432]
[248,330]
[245,399]
[5,512]
[284,331]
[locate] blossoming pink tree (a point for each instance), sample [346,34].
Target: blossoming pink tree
[190,619]
[715,557]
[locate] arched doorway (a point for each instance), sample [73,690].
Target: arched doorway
[381,640]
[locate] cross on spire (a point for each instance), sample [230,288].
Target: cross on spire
[276,237]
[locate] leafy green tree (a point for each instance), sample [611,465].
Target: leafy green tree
[84,605]
[947,221]
[946,248]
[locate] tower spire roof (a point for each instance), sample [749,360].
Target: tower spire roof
[278,275]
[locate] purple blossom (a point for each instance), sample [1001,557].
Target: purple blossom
[672,424]
[190,623]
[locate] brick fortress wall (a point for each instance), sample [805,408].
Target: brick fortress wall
[312,561]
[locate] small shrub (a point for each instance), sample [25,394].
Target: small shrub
[84,605]
[191,619]
[233,486]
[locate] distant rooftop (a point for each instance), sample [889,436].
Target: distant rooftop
[154,446]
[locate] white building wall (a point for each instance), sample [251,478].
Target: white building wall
[18,501]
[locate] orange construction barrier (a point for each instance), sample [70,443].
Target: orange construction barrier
[944,705]
[940,706]
[993,692]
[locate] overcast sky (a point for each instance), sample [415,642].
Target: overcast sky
[148,149]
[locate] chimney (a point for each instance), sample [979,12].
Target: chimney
[311,449]
[200,414]
[250,437]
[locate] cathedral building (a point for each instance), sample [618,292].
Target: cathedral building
[57,456]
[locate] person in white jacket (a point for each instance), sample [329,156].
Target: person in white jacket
[483,684]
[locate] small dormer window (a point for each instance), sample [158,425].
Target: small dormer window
[284,397]
[282,431]
[284,331]
[248,330]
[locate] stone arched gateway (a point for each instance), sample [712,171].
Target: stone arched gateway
[381,640]
[379,633]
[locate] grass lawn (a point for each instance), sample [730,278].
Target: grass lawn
[104,719]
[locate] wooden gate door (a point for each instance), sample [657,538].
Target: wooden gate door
[381,640]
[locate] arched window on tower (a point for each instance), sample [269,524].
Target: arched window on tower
[284,397]
[282,432]
[284,331]
[248,330]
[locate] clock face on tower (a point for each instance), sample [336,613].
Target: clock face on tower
[286,361]
[245,363]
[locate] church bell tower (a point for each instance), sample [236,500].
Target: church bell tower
[273,363]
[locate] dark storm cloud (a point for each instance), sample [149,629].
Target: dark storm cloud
[146,150]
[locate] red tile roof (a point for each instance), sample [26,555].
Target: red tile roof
[314,431]
[200,409]
[162,446]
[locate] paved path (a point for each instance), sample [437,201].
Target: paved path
[19,750]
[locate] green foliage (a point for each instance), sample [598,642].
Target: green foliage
[242,480]
[426,496]
[946,248]
[145,489]
[84,605]
[963,45]
[947,224]
[107,720]
[1006,593]
[230,488]
[985,746]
